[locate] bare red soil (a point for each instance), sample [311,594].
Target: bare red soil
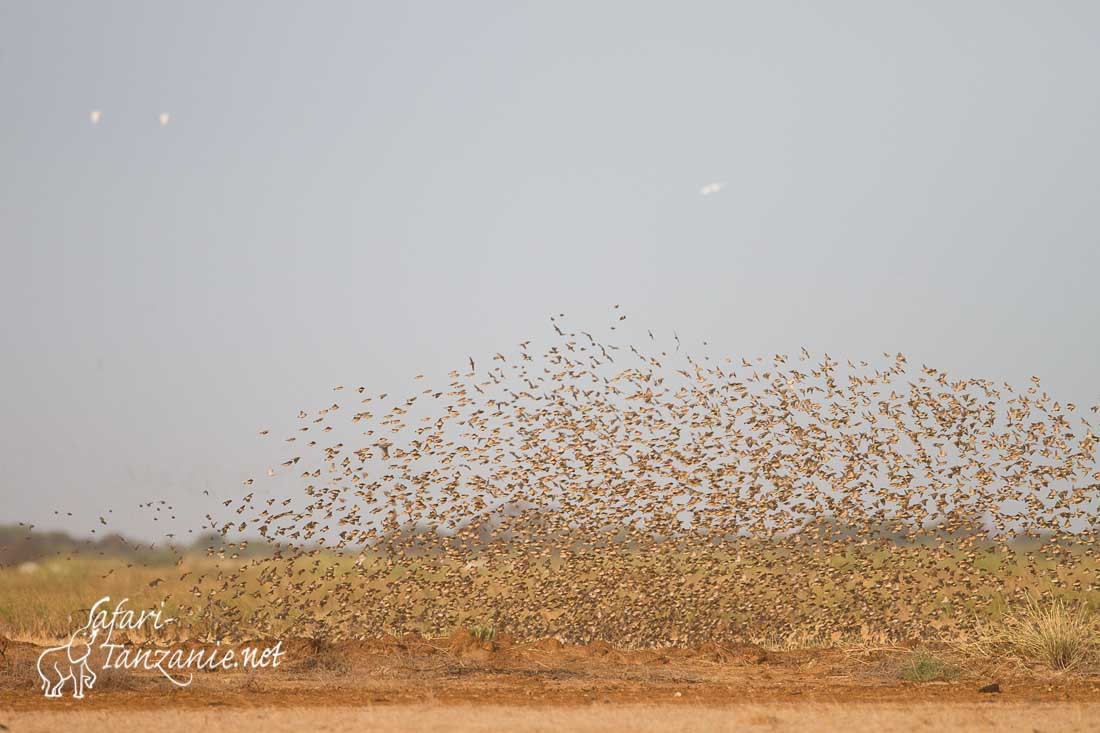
[463,670]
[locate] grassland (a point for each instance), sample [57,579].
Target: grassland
[891,594]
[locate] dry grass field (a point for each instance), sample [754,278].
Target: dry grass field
[42,601]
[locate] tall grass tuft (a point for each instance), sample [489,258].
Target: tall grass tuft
[483,632]
[1060,635]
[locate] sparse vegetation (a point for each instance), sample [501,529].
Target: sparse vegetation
[923,666]
[112,678]
[325,656]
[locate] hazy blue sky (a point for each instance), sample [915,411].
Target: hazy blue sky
[353,193]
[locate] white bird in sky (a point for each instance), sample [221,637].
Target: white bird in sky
[164,117]
[94,116]
[710,188]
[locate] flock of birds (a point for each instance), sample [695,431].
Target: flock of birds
[648,497]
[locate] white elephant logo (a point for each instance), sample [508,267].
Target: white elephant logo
[57,665]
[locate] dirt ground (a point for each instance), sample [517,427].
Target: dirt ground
[463,684]
[865,717]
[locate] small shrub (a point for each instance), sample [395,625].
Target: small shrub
[113,678]
[1059,635]
[18,673]
[483,632]
[252,683]
[325,657]
[924,667]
